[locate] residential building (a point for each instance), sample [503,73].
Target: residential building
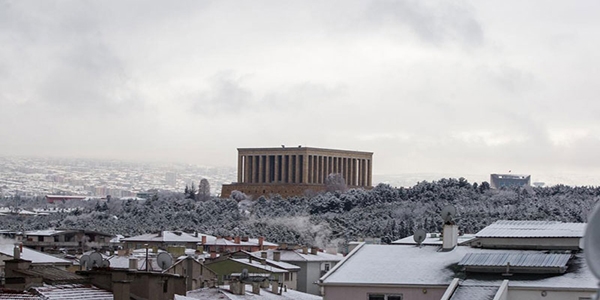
[7,252]
[196,274]
[312,262]
[233,263]
[504,271]
[292,171]
[65,240]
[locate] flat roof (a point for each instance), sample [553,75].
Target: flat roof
[302,148]
[426,265]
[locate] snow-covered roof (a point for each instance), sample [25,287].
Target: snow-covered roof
[74,292]
[298,256]
[474,292]
[259,265]
[433,239]
[46,232]
[166,237]
[532,229]
[411,265]
[35,257]
[224,293]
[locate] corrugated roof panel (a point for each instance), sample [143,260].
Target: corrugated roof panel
[474,292]
[538,260]
[532,229]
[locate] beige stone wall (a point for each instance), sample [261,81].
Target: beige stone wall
[295,170]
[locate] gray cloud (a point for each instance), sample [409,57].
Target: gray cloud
[428,86]
[433,21]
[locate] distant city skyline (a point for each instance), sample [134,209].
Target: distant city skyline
[430,87]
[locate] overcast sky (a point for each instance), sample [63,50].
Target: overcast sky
[428,86]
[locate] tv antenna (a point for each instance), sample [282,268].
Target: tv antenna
[448,214]
[419,236]
[164,260]
[84,262]
[95,260]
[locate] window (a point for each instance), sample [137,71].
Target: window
[327,267]
[385,297]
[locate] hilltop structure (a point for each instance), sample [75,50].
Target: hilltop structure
[293,171]
[508,180]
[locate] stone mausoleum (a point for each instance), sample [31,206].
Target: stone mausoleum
[290,171]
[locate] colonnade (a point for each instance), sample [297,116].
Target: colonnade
[303,168]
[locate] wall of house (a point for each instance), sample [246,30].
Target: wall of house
[362,292]
[537,294]
[226,267]
[313,274]
[302,277]
[197,275]
[292,283]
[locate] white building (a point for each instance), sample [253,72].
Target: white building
[396,272]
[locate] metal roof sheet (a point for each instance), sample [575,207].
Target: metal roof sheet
[474,293]
[538,260]
[74,292]
[529,229]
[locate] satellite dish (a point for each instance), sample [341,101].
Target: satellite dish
[419,236]
[448,213]
[164,260]
[591,242]
[84,262]
[95,259]
[105,263]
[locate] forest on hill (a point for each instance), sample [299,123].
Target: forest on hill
[384,212]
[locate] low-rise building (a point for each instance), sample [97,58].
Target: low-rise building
[65,240]
[312,262]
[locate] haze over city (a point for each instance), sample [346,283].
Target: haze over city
[430,87]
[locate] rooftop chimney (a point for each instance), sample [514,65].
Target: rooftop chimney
[203,240]
[17,252]
[133,264]
[261,240]
[237,239]
[263,254]
[314,250]
[450,238]
[276,256]
[121,290]
[304,250]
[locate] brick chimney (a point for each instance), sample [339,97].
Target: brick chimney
[261,241]
[276,256]
[203,240]
[304,250]
[263,254]
[238,239]
[314,250]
